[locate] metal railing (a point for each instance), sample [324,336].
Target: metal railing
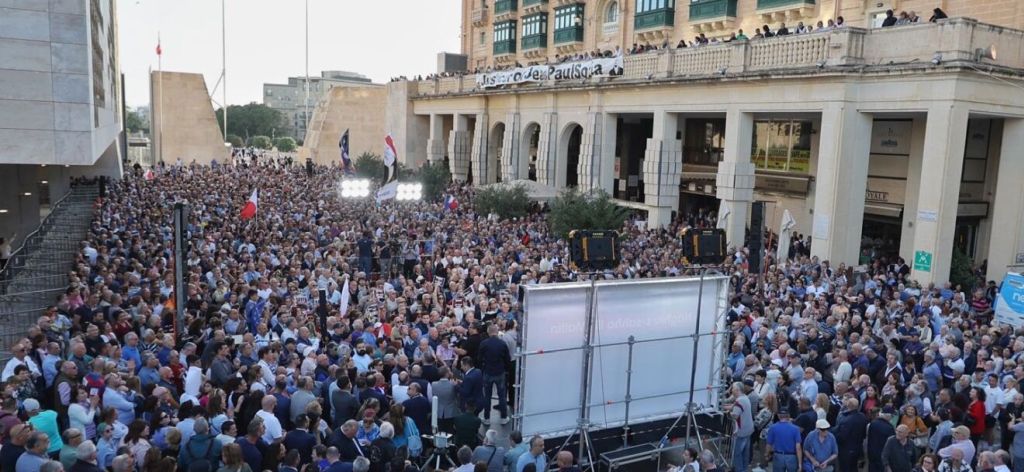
[37,272]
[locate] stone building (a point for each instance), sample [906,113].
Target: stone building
[290,98]
[899,140]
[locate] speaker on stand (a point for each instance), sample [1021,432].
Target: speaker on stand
[756,239]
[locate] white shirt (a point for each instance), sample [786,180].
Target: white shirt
[272,424]
[993,399]
[14,362]
[267,373]
[400,393]
[193,381]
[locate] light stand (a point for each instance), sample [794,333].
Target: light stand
[440,440]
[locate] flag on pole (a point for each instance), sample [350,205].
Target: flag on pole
[346,163]
[249,210]
[345,297]
[390,156]
[159,50]
[450,203]
[387,192]
[149,175]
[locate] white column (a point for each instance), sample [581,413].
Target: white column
[435,143]
[1006,246]
[914,163]
[735,179]
[547,148]
[459,148]
[841,182]
[939,194]
[510,149]
[590,162]
[478,155]
[663,162]
[606,178]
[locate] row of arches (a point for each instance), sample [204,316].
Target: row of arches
[567,156]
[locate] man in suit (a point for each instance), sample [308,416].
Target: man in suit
[851,427]
[376,390]
[494,360]
[471,390]
[345,440]
[343,403]
[418,408]
[447,401]
[879,431]
[300,439]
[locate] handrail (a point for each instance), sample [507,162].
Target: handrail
[42,223]
[35,235]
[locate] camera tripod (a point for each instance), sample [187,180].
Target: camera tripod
[440,440]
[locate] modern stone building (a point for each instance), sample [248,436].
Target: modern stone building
[290,98]
[60,102]
[187,128]
[900,140]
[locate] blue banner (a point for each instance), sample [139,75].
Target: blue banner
[1010,302]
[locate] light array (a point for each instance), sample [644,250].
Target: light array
[358,188]
[409,192]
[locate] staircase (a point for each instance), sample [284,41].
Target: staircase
[38,271]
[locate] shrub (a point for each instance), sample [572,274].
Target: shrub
[594,210]
[506,201]
[285,144]
[235,140]
[260,142]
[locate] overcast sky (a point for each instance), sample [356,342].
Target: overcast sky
[266,40]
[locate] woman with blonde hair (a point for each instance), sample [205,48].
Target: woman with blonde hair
[821,406]
[231,457]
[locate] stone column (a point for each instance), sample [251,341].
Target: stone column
[459,148]
[913,187]
[479,158]
[435,143]
[591,161]
[606,178]
[735,179]
[547,149]
[510,149]
[939,194]
[663,163]
[1006,246]
[842,180]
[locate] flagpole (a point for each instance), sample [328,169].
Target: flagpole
[160,73]
[224,63]
[307,72]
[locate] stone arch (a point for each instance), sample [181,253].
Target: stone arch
[528,151]
[567,170]
[495,144]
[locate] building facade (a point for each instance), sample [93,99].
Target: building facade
[60,102]
[884,141]
[290,98]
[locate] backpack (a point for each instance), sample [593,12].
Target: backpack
[201,463]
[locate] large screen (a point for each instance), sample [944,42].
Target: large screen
[661,316]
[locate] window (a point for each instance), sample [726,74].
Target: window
[611,14]
[643,6]
[569,16]
[505,31]
[783,145]
[535,25]
[483,39]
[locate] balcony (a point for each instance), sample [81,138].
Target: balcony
[572,34]
[712,15]
[502,48]
[505,8]
[778,10]
[535,41]
[655,24]
[479,17]
[533,6]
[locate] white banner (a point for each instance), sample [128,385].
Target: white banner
[604,66]
[387,192]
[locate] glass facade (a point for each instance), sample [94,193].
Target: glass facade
[644,6]
[782,145]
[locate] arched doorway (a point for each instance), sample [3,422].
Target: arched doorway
[528,151]
[495,144]
[569,155]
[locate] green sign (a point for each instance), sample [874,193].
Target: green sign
[923,261]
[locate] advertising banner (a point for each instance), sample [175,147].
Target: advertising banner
[604,66]
[1010,301]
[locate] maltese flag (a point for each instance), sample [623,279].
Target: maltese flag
[249,210]
[451,203]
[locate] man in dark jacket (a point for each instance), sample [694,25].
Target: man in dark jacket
[300,439]
[343,403]
[418,408]
[203,446]
[494,359]
[471,390]
[879,431]
[899,452]
[850,430]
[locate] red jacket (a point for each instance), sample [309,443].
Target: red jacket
[977,410]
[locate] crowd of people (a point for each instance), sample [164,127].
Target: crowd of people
[314,335]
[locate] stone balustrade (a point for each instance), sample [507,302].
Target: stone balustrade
[953,41]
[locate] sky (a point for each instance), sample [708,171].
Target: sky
[266,40]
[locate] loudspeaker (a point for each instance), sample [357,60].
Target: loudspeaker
[594,250]
[756,236]
[704,246]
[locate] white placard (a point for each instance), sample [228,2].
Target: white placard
[822,226]
[927,215]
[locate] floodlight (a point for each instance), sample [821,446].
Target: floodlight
[409,192]
[355,188]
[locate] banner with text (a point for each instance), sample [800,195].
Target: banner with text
[605,66]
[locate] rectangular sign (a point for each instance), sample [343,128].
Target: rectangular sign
[923,261]
[1010,301]
[928,215]
[603,66]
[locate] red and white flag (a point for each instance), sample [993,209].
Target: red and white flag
[390,156]
[149,175]
[249,210]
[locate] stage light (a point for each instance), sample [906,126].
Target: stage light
[409,192]
[355,188]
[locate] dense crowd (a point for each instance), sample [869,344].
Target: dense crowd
[315,334]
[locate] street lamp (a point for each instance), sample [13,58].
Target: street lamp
[355,188]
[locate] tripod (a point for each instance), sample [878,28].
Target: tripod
[440,451]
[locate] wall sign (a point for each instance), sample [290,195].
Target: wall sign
[923,261]
[891,137]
